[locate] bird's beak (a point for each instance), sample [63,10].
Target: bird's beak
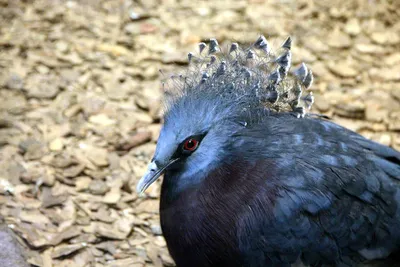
[151,175]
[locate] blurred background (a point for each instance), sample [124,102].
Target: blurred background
[80,102]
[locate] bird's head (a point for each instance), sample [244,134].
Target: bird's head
[216,100]
[197,134]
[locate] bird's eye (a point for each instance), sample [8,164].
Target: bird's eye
[190,145]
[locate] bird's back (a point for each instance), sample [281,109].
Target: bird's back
[299,189]
[339,199]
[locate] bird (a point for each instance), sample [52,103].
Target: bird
[251,177]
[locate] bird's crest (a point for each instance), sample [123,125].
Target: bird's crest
[256,74]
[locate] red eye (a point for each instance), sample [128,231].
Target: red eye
[190,145]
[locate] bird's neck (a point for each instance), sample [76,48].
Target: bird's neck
[237,182]
[180,182]
[175,187]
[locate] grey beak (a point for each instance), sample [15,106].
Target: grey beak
[151,175]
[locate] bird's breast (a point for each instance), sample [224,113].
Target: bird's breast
[195,233]
[204,225]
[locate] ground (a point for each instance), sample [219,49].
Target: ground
[80,92]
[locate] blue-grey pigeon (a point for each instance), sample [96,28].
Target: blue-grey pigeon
[252,178]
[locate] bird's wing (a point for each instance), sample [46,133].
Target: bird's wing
[338,198]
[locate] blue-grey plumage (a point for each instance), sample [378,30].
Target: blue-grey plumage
[253,182]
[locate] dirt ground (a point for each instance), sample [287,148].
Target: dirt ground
[80,102]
